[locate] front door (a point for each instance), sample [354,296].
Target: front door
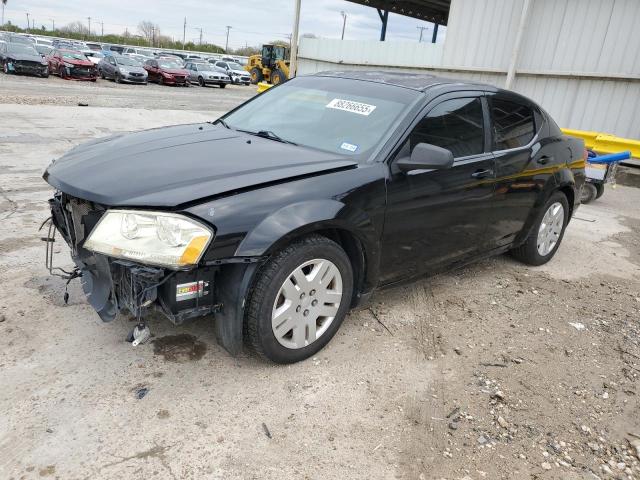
[436,218]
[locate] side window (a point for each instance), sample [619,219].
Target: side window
[513,124]
[455,124]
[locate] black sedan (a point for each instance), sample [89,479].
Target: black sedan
[291,209]
[22,58]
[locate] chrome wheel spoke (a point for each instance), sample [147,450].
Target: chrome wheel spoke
[307,303]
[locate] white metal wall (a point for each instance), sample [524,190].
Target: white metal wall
[580,59]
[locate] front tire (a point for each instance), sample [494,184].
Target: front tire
[547,232]
[201,81]
[600,189]
[223,85]
[299,300]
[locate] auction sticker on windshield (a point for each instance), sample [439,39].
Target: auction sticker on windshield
[353,107]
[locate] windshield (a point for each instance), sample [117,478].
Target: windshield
[73,56]
[169,64]
[234,66]
[348,117]
[21,49]
[128,62]
[43,49]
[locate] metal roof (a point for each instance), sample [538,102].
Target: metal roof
[436,11]
[414,81]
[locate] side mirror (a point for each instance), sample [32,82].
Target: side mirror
[426,157]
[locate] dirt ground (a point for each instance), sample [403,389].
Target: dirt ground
[495,371]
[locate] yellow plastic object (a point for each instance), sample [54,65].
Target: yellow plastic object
[193,250]
[605,143]
[262,86]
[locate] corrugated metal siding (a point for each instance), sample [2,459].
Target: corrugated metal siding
[367,52]
[589,37]
[481,33]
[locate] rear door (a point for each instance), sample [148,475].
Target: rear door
[437,218]
[524,163]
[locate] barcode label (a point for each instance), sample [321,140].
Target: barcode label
[353,107]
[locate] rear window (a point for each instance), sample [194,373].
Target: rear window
[513,124]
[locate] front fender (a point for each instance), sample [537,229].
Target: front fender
[295,220]
[299,218]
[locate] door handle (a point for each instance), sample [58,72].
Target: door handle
[482,173]
[545,159]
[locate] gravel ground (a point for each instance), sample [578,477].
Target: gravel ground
[497,370]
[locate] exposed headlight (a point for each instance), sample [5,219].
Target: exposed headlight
[155,238]
[124,71]
[69,65]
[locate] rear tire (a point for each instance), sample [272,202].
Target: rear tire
[282,299]
[589,193]
[546,226]
[256,75]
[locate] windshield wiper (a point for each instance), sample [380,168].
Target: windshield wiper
[271,136]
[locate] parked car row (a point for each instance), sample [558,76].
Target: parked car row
[72,59]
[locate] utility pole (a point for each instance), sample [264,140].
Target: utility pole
[184,32]
[226,48]
[153,36]
[344,23]
[3,3]
[422,29]
[294,40]
[53,25]
[28,22]
[200,42]
[101,28]
[89,18]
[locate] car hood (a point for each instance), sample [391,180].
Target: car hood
[23,57]
[133,69]
[171,166]
[175,71]
[239,72]
[78,63]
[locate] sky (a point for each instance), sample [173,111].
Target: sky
[253,22]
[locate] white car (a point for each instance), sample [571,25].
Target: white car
[93,56]
[235,71]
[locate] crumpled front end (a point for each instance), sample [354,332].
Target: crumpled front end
[113,285]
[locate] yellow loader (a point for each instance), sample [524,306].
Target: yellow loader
[271,66]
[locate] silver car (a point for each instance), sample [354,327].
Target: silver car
[122,69]
[206,74]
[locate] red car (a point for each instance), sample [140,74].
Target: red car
[70,64]
[167,71]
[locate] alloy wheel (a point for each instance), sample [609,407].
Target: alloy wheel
[550,229]
[307,303]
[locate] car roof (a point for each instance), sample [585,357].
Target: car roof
[415,81]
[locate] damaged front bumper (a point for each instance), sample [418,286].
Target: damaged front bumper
[113,285]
